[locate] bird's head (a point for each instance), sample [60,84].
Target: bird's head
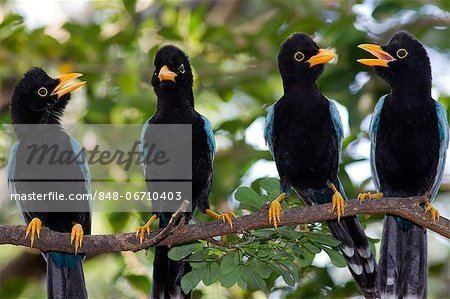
[403,61]
[38,95]
[172,72]
[300,59]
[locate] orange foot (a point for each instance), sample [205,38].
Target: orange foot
[33,228]
[275,210]
[146,228]
[337,201]
[225,217]
[434,213]
[363,196]
[76,236]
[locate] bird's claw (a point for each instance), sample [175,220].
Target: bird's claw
[225,217]
[434,213]
[33,228]
[141,230]
[337,201]
[367,195]
[275,210]
[146,228]
[228,218]
[76,236]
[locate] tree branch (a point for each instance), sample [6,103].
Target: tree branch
[98,244]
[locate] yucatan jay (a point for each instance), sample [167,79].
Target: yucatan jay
[304,133]
[172,81]
[409,140]
[37,104]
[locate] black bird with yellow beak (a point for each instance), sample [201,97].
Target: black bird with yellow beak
[172,82]
[409,137]
[304,133]
[37,104]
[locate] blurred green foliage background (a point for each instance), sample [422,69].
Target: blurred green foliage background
[233,46]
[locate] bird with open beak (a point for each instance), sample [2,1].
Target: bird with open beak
[37,103]
[409,136]
[304,133]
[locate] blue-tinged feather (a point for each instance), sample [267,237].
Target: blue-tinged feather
[373,130]
[210,136]
[81,162]
[143,147]
[11,168]
[65,260]
[268,128]
[443,145]
[337,122]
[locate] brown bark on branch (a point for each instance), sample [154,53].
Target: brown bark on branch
[98,244]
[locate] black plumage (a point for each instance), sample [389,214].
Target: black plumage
[39,100]
[172,82]
[304,133]
[409,138]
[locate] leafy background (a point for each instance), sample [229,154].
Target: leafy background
[233,46]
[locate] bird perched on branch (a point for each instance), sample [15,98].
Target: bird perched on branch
[37,104]
[409,136]
[304,133]
[172,82]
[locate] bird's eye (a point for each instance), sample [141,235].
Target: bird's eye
[299,56]
[42,91]
[181,68]
[402,53]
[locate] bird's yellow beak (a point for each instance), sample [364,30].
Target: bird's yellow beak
[166,75]
[322,57]
[383,57]
[62,89]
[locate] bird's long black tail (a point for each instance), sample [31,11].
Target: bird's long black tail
[402,271]
[65,277]
[167,273]
[356,250]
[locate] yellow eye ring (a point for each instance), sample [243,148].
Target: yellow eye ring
[42,91]
[402,53]
[299,56]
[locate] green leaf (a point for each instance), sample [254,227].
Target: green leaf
[311,248]
[271,186]
[140,282]
[191,280]
[324,239]
[288,277]
[260,268]
[336,257]
[306,256]
[228,280]
[180,252]
[249,197]
[253,280]
[211,273]
[199,255]
[242,283]
[263,252]
[264,233]
[228,263]
[372,240]
[196,265]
